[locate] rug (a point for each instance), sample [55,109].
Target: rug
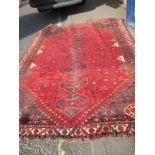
[78,81]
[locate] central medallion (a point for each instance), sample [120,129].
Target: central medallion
[74,102]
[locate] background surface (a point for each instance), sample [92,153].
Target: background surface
[30,21]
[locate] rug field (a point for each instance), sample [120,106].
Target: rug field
[78,81]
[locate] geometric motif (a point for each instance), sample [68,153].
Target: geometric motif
[78,81]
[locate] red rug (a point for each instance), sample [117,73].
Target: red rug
[78,81]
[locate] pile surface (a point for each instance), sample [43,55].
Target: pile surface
[78,81]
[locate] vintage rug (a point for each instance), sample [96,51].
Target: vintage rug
[78,81]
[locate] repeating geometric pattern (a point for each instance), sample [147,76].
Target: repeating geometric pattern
[78,81]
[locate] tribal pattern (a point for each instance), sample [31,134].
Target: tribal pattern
[78,81]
